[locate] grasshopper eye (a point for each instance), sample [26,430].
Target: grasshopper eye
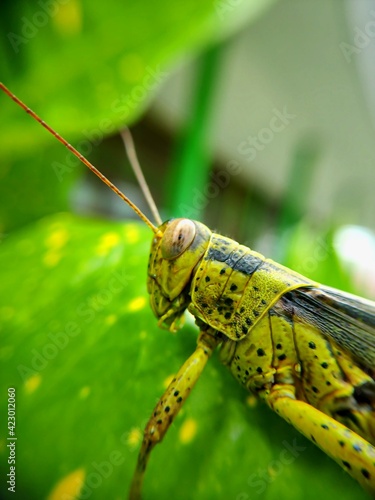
[177,238]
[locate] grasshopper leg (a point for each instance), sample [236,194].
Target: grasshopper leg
[353,453]
[170,404]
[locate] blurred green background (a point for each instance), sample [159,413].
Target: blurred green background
[255,117]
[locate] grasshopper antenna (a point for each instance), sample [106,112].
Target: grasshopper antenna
[133,159]
[81,158]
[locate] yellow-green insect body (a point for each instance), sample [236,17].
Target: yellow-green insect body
[170,268]
[233,287]
[306,349]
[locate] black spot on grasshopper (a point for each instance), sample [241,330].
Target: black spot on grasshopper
[365,473]
[260,352]
[233,288]
[207,279]
[281,357]
[312,345]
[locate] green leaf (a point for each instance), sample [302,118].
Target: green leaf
[88,68]
[81,348]
[91,67]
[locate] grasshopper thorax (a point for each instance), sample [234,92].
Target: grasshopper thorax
[176,249]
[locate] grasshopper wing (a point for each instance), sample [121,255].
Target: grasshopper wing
[347,319]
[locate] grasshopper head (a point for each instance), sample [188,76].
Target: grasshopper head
[175,251]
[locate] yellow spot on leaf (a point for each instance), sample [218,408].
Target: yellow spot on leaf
[110,320]
[188,431]
[143,335]
[68,18]
[273,471]
[137,304]
[168,380]
[32,383]
[106,243]
[134,437]
[51,258]
[69,486]
[251,401]
[132,234]
[84,392]
[57,239]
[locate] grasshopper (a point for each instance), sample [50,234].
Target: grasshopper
[306,349]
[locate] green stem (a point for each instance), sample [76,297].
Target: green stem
[191,163]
